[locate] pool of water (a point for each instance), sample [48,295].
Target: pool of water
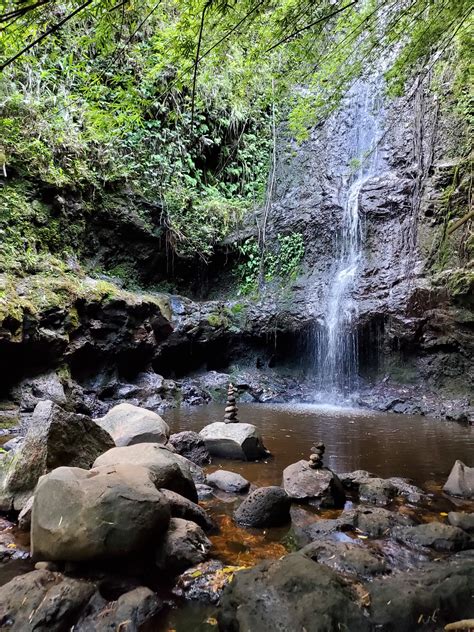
[415,447]
[420,448]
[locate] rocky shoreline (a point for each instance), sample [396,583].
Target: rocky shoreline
[118,534]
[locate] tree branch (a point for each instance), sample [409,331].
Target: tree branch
[308,26]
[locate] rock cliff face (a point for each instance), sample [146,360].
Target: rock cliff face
[412,295]
[413,291]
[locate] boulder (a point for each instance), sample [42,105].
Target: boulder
[24,517]
[375,522]
[44,387]
[265,507]
[169,470]
[293,593]
[234,441]
[406,601]
[301,482]
[378,491]
[184,544]
[350,558]
[190,445]
[131,612]
[228,481]
[352,480]
[404,487]
[55,438]
[104,513]
[128,425]
[321,529]
[460,481]
[461,519]
[42,601]
[435,535]
[181,507]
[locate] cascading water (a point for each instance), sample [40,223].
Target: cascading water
[337,344]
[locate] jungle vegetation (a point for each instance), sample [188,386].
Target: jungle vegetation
[176,102]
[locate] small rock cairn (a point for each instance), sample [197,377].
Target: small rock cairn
[316,457]
[230,414]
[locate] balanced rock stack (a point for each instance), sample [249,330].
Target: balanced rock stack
[230,414]
[316,457]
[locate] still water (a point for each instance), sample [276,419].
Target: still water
[420,448]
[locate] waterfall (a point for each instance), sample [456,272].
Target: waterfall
[337,338]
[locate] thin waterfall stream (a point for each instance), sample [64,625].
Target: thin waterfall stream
[337,338]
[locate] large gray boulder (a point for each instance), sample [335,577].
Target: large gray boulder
[131,612]
[128,424]
[230,482]
[265,507]
[42,601]
[378,491]
[402,601]
[55,438]
[46,601]
[169,470]
[190,445]
[184,544]
[460,481]
[290,594]
[461,519]
[350,558]
[435,535]
[104,513]
[301,482]
[234,441]
[181,507]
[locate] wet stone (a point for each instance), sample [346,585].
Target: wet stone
[228,482]
[205,582]
[378,491]
[265,507]
[435,535]
[461,519]
[346,557]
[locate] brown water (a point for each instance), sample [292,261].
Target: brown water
[416,447]
[387,445]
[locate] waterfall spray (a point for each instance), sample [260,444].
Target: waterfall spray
[337,344]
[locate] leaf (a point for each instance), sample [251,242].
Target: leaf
[211,621]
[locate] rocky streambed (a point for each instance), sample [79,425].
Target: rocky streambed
[134,529]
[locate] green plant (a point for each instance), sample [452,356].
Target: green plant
[248,269]
[281,262]
[284,262]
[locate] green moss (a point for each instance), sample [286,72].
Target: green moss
[9,421]
[218,319]
[461,284]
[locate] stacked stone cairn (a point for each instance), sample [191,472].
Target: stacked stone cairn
[230,414]
[316,457]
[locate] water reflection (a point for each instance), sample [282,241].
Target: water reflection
[417,447]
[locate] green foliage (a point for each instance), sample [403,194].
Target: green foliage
[248,269]
[107,103]
[282,262]
[197,222]
[29,230]
[285,261]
